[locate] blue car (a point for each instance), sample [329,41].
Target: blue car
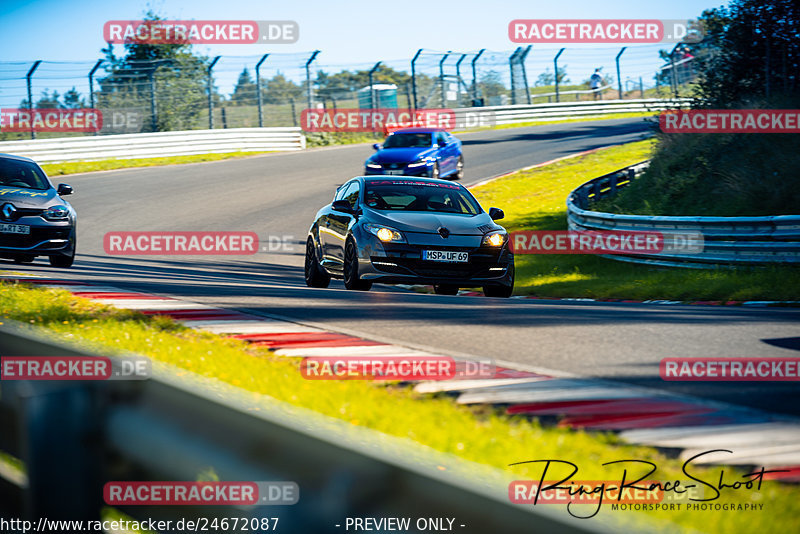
[418,152]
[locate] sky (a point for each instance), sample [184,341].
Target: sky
[349,33]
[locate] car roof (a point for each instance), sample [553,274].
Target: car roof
[384,177]
[12,156]
[418,130]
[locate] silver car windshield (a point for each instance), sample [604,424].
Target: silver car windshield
[402,195]
[23,174]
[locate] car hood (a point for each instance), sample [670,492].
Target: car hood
[429,223]
[401,155]
[27,198]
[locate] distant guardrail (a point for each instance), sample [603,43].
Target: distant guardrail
[74,436]
[159,144]
[566,110]
[727,240]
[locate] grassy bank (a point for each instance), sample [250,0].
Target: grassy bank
[535,200]
[74,167]
[479,434]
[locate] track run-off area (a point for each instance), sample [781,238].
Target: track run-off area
[277,195]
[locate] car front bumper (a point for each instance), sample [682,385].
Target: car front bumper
[402,263]
[55,238]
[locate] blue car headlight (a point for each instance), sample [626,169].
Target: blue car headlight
[372,165]
[56,213]
[385,233]
[418,163]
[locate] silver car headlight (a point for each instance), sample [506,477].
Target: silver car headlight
[371,165]
[494,239]
[385,234]
[56,213]
[418,163]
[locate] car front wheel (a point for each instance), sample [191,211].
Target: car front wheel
[316,276]
[351,276]
[435,170]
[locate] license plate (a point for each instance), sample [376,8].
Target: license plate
[15,229]
[393,172]
[445,255]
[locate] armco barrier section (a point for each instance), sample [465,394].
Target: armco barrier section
[728,240]
[566,110]
[75,436]
[150,145]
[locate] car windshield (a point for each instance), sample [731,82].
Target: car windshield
[412,195]
[408,140]
[24,174]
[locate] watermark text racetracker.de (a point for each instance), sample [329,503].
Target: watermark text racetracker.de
[569,31]
[730,121]
[74,368]
[387,120]
[730,369]
[159,32]
[394,368]
[84,120]
[605,242]
[208,493]
[193,524]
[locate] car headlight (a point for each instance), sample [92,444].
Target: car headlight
[372,165]
[55,213]
[385,234]
[418,163]
[494,239]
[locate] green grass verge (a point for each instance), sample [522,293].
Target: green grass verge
[479,434]
[74,167]
[536,200]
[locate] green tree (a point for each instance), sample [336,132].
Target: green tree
[756,54]
[170,74]
[245,90]
[279,90]
[73,99]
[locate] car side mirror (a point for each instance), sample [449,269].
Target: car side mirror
[496,214]
[342,205]
[376,146]
[64,189]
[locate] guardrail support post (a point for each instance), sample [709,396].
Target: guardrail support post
[555,69]
[30,95]
[414,75]
[210,100]
[458,74]
[258,89]
[314,55]
[524,73]
[91,84]
[441,77]
[511,72]
[474,79]
[60,450]
[372,91]
[619,78]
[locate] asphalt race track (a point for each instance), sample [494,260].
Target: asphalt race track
[277,195]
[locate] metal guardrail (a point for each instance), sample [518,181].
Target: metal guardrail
[75,436]
[148,145]
[566,110]
[727,240]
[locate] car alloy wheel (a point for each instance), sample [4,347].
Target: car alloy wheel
[351,279]
[459,168]
[435,170]
[315,275]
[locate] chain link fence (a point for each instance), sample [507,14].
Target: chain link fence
[194,92]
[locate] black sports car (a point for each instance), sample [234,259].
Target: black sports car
[409,230]
[34,219]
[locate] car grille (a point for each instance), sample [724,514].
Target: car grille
[37,235]
[478,266]
[394,166]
